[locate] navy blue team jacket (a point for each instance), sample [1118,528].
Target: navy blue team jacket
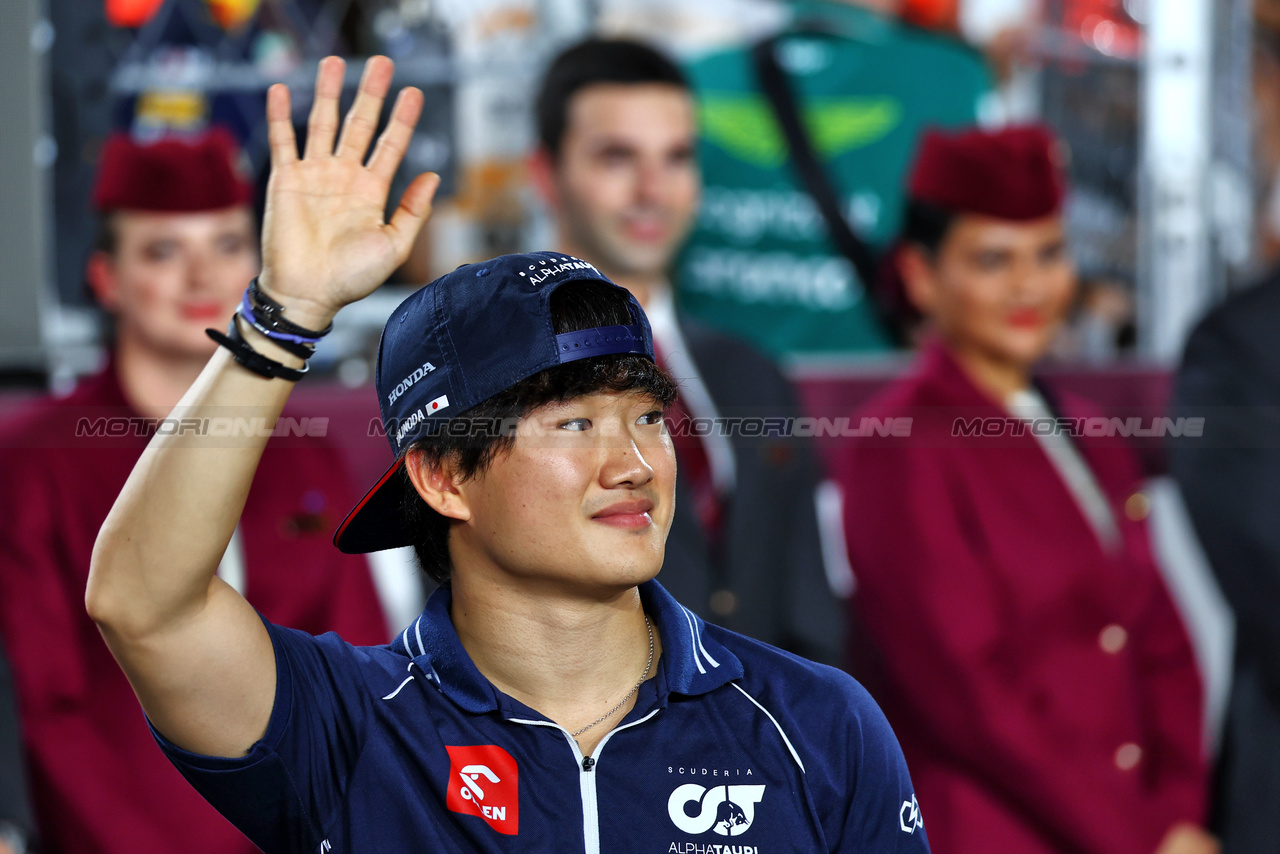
[733,747]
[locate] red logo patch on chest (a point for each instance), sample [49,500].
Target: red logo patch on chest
[484,781]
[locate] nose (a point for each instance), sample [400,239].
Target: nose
[1030,279]
[201,266]
[651,184]
[624,463]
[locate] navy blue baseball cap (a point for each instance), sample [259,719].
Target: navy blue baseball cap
[456,343]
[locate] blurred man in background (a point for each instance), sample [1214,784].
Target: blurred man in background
[1016,628]
[617,165]
[768,259]
[177,248]
[1230,480]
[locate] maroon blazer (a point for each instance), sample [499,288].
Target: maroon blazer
[1044,691]
[98,781]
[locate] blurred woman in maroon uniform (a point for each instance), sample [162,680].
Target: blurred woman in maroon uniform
[178,246]
[1013,623]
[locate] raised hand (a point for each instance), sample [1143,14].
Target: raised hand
[324,240]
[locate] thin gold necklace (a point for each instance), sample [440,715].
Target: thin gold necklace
[643,676]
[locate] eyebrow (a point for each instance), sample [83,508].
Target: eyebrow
[607,142]
[611,144]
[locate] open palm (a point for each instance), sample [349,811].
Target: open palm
[324,239]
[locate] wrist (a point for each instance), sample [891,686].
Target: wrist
[301,311]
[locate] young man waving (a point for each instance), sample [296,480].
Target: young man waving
[552,696]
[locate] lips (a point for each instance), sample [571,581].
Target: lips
[626,514]
[649,231]
[204,311]
[1026,318]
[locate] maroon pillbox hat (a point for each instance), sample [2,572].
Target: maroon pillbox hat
[172,175]
[1014,173]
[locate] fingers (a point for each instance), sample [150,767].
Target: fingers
[415,207]
[322,125]
[362,119]
[395,139]
[284,146]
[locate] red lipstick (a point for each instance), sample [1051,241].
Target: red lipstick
[204,311]
[1026,318]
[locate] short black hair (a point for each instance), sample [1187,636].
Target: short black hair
[926,225]
[590,63]
[105,237]
[574,306]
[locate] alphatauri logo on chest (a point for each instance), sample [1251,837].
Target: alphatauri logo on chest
[727,810]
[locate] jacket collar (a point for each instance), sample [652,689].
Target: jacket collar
[692,662]
[940,370]
[102,389]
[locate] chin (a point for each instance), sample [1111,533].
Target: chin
[1029,355]
[645,261]
[1024,349]
[188,348]
[632,572]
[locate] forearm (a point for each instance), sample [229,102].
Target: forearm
[198,656]
[158,550]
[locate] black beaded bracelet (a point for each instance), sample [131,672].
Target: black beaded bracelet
[302,351]
[250,358]
[269,315]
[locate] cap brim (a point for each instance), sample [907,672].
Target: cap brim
[375,522]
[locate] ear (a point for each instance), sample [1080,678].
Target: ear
[437,484]
[918,275]
[100,270]
[540,166]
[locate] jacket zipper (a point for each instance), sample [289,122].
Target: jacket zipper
[587,779]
